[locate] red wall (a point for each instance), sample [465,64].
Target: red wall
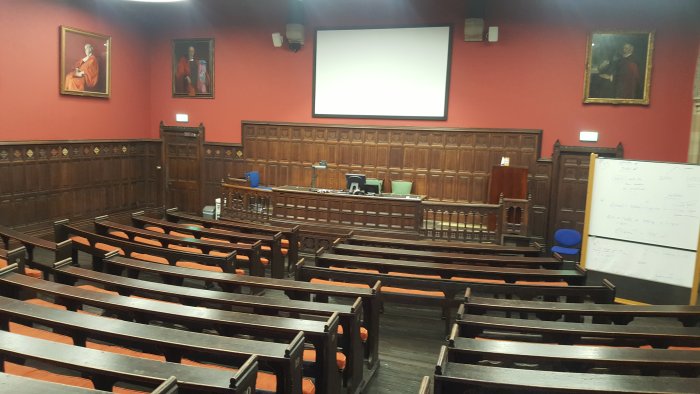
[531,78]
[33,109]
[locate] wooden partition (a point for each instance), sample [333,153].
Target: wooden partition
[45,181]
[443,164]
[450,165]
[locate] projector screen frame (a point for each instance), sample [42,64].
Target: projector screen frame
[448,72]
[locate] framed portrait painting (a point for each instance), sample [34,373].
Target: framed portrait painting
[618,67]
[193,68]
[85,63]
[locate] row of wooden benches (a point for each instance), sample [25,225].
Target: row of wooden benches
[605,343]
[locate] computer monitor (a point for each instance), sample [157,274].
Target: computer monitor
[371,188]
[355,182]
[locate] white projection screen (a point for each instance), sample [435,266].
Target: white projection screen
[398,73]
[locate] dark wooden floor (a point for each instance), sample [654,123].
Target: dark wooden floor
[409,342]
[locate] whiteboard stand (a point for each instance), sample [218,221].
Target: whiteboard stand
[642,228]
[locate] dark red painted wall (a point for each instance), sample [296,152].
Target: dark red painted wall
[531,78]
[33,109]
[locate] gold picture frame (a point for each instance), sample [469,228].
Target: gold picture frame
[85,63]
[618,67]
[193,68]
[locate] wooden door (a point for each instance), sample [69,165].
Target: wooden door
[182,158]
[570,185]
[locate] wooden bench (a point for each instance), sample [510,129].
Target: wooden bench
[322,334]
[283,359]
[14,256]
[60,250]
[20,384]
[567,333]
[599,294]
[105,369]
[601,313]
[444,246]
[424,385]
[294,289]
[291,234]
[349,315]
[139,220]
[574,358]
[447,271]
[452,377]
[63,230]
[446,258]
[250,253]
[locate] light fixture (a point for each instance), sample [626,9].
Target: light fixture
[158,1]
[473,29]
[277,40]
[295,25]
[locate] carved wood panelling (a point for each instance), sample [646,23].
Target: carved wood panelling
[443,164]
[539,184]
[45,181]
[221,161]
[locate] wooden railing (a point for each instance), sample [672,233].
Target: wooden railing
[246,203]
[485,223]
[515,217]
[460,222]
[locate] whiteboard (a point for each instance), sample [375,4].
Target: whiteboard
[652,263]
[392,72]
[643,222]
[648,202]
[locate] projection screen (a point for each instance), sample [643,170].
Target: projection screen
[400,73]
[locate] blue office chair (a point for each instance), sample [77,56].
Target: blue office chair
[568,243]
[253,178]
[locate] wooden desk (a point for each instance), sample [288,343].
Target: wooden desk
[385,211]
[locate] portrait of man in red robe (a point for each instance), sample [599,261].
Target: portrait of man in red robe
[192,68]
[85,63]
[85,73]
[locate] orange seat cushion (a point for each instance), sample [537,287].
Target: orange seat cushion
[148,241]
[478,280]
[150,258]
[179,234]
[215,240]
[222,254]
[266,381]
[285,243]
[399,290]
[33,273]
[154,229]
[38,374]
[21,329]
[364,334]
[557,284]
[119,234]
[284,251]
[264,261]
[99,245]
[683,348]
[40,302]
[409,275]
[340,359]
[265,248]
[334,283]
[98,289]
[124,351]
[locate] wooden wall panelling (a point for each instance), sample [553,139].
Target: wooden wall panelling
[539,184]
[42,181]
[221,161]
[443,164]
